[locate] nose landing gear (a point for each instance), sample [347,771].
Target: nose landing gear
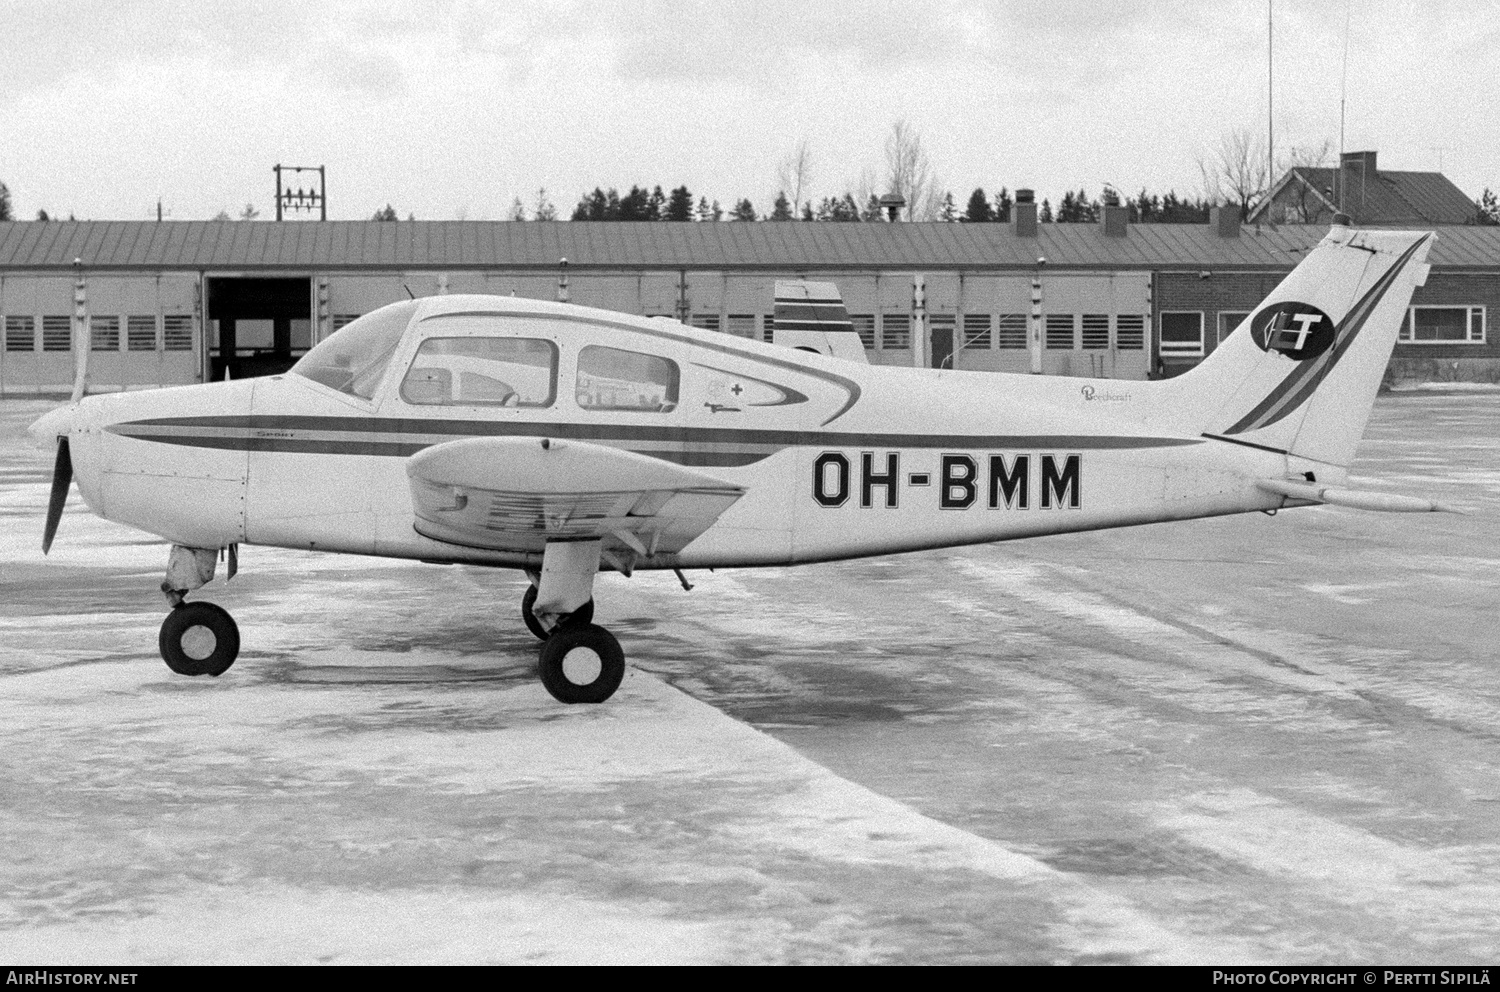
[196,638]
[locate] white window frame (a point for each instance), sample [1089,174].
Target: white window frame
[1476,335]
[1176,349]
[1239,318]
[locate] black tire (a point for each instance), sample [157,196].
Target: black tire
[584,614]
[582,637]
[200,655]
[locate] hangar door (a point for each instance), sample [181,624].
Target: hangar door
[256,325]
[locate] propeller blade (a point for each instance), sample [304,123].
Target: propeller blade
[62,478]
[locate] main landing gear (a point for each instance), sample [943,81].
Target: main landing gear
[580,661]
[196,638]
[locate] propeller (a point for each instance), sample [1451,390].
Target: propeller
[62,478]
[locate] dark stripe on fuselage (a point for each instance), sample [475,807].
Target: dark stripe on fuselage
[403,436]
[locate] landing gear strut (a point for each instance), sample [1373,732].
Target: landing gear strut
[584,614]
[196,638]
[580,662]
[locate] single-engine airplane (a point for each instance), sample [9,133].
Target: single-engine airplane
[566,441]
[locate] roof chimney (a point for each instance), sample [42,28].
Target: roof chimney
[892,203]
[1225,221]
[1363,161]
[1113,218]
[1023,214]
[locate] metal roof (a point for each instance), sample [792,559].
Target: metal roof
[1404,199]
[780,246]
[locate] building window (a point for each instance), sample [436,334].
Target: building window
[615,379]
[895,331]
[20,334]
[177,332]
[1130,331]
[140,333]
[104,333]
[1182,335]
[976,330]
[707,321]
[1011,330]
[1444,325]
[1228,321]
[1096,331]
[57,333]
[864,326]
[519,372]
[341,319]
[742,325]
[768,327]
[1059,330]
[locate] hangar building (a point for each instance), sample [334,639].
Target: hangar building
[163,303]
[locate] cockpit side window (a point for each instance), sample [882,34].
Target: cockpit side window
[354,358]
[615,379]
[482,371]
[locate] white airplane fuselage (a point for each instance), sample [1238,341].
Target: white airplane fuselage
[837,460]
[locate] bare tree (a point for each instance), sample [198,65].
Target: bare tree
[1300,202]
[795,173]
[249,213]
[517,209]
[909,172]
[1235,171]
[544,208]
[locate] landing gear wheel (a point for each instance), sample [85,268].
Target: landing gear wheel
[582,663]
[584,614]
[199,639]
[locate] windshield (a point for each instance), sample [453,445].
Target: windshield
[353,358]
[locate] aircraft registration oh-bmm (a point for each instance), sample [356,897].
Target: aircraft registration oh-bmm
[566,441]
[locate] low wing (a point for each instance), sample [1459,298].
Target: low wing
[1358,499]
[518,494]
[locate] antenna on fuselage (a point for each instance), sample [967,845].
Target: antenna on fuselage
[409,293]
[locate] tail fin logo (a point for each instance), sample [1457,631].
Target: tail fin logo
[1297,330]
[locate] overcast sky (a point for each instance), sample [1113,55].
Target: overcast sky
[450,109]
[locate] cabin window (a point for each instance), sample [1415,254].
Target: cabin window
[353,359]
[518,372]
[616,379]
[1182,335]
[1444,325]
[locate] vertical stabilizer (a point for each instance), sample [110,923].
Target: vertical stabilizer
[811,316]
[1301,373]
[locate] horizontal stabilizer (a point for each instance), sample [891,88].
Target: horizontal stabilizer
[1356,499]
[518,494]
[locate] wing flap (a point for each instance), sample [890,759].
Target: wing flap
[517,494]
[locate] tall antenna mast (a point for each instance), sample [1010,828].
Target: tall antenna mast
[1343,99]
[1270,90]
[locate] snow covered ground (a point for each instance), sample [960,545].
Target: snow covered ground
[1250,739]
